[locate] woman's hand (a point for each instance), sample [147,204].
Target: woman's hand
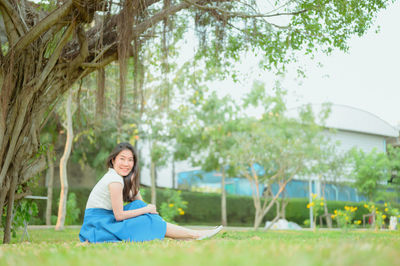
[150,208]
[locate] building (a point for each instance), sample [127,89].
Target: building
[353,127]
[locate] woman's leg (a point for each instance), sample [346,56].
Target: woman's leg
[179,232]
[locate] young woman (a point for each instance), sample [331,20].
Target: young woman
[108,220]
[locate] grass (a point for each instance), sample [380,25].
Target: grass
[48,247]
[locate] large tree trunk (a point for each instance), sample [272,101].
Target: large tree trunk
[62,207]
[224,219]
[50,182]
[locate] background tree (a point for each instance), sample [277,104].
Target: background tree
[62,206]
[273,149]
[49,137]
[209,138]
[393,183]
[370,171]
[157,140]
[47,47]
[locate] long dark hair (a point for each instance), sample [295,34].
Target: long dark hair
[128,184]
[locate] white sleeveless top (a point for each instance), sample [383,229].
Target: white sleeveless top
[100,195]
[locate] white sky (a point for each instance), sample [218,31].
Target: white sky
[367,77]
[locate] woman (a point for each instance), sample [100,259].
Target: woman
[108,220]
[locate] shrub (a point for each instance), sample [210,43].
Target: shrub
[72,210]
[173,206]
[24,210]
[204,208]
[344,217]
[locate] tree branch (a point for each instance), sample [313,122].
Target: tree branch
[44,25]
[55,56]
[31,170]
[10,12]
[12,34]
[101,64]
[229,14]
[83,51]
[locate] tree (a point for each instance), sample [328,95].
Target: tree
[49,137]
[47,47]
[209,138]
[370,171]
[393,183]
[273,149]
[157,139]
[62,206]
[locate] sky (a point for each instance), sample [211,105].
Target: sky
[365,77]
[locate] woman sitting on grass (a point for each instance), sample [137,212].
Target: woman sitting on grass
[108,220]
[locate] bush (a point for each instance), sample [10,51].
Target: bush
[205,208]
[174,205]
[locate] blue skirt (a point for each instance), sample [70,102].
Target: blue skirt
[99,225]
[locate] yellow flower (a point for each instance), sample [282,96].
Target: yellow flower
[314,196]
[357,222]
[181,213]
[386,209]
[377,212]
[383,216]
[335,211]
[346,208]
[347,218]
[180,209]
[308,206]
[171,205]
[322,204]
[333,216]
[365,206]
[322,198]
[385,204]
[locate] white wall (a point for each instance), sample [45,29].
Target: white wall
[366,142]
[347,140]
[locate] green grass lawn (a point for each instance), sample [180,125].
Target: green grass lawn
[48,247]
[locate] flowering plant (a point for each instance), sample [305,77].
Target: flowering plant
[389,210]
[317,205]
[344,217]
[379,215]
[174,205]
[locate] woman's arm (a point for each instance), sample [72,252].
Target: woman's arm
[118,206]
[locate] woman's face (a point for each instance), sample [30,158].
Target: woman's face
[123,162]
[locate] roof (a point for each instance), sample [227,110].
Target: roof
[349,118]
